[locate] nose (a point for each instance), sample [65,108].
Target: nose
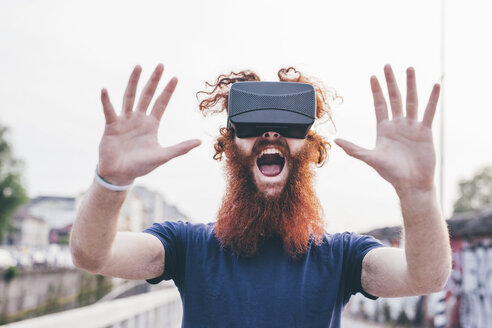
[270,135]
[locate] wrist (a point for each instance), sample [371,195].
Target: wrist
[120,186]
[420,207]
[405,192]
[112,177]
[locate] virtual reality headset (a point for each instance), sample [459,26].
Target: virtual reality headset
[288,108]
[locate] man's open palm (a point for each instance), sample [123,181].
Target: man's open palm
[404,154]
[129,147]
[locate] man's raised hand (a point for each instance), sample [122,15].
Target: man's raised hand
[129,147]
[404,154]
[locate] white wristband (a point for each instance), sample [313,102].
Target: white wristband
[111,186]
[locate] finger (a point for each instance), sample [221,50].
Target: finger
[182,148]
[162,101]
[149,89]
[108,109]
[131,89]
[430,111]
[412,99]
[393,92]
[354,150]
[379,102]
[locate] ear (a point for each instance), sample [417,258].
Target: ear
[321,145]
[219,150]
[223,142]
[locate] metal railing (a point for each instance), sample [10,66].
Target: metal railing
[155,309]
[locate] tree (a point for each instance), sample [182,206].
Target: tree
[475,193]
[12,193]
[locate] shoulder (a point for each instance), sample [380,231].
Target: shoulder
[350,241]
[183,225]
[348,237]
[182,231]
[182,228]
[341,238]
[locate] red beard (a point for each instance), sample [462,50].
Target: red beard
[248,217]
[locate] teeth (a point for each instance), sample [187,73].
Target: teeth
[271,151]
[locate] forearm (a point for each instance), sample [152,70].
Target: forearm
[95,227]
[427,248]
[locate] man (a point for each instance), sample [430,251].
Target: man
[267,261]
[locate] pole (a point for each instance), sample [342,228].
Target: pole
[441,109]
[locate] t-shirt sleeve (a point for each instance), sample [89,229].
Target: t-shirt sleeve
[172,235]
[355,248]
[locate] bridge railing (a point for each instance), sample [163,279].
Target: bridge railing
[161,308]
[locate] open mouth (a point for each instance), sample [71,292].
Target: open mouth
[270,162]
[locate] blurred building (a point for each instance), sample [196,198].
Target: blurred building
[156,208]
[28,230]
[56,211]
[153,204]
[466,300]
[132,215]
[60,235]
[32,223]
[48,219]
[141,208]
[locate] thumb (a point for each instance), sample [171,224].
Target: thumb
[354,150]
[182,148]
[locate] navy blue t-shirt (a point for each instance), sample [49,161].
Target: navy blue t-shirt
[270,289]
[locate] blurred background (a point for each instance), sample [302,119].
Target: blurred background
[57,55]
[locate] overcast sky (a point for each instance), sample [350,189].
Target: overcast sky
[57,55]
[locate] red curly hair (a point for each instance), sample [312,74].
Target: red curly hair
[216,101]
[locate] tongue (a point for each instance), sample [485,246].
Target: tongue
[270,170]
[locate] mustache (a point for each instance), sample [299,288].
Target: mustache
[261,144]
